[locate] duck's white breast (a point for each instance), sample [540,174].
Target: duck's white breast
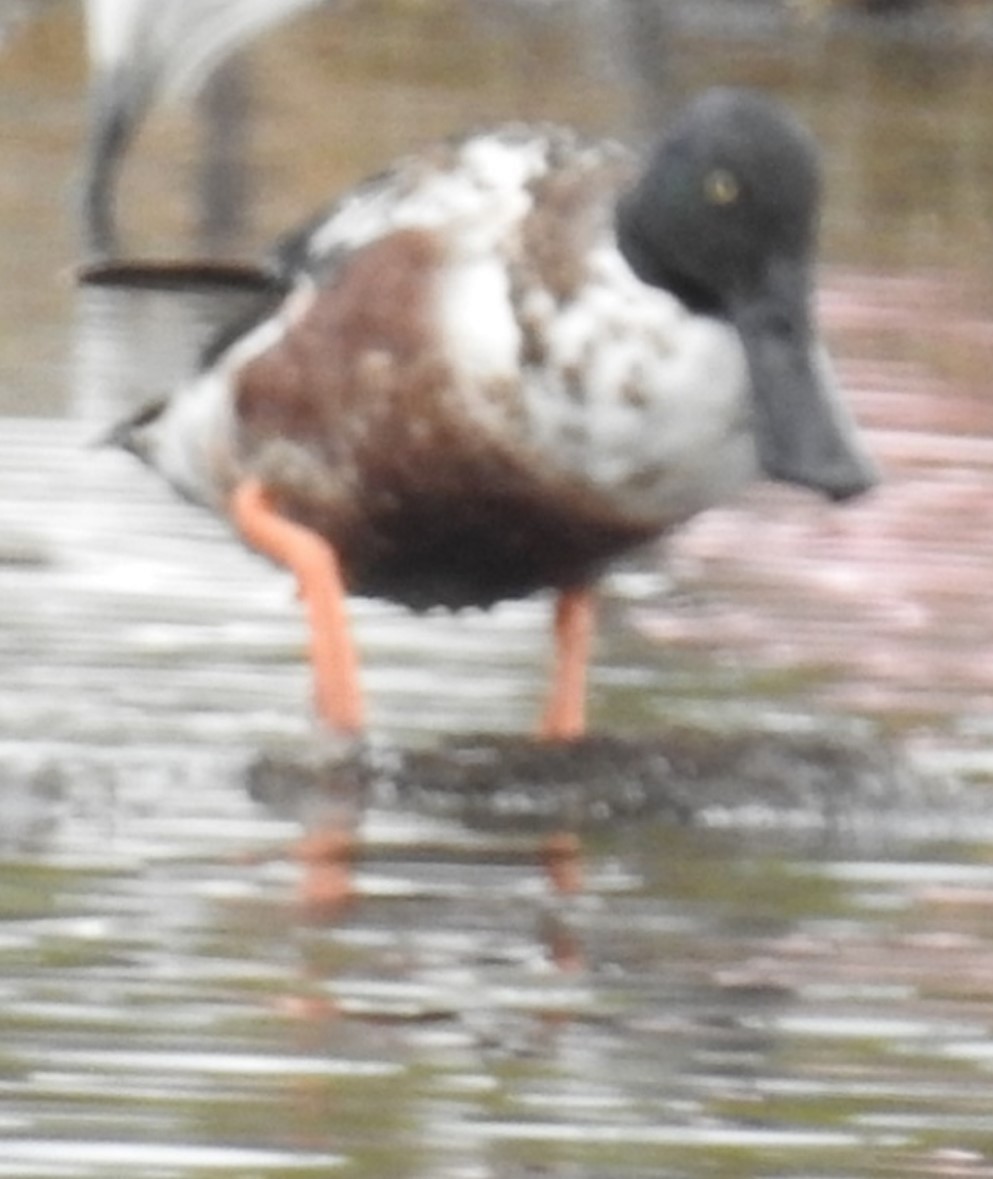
[646,400]
[626,389]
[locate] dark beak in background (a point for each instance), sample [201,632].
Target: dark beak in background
[116,105]
[804,432]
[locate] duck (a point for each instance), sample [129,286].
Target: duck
[511,358]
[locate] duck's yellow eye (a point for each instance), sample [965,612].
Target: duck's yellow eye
[721,187]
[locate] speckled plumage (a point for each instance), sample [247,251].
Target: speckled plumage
[467,390]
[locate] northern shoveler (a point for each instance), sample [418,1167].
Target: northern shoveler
[511,358]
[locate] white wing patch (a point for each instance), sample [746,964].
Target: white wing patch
[481,333]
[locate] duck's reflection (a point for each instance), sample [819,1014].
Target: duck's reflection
[514,800]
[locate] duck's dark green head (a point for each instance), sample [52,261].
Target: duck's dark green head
[725,217]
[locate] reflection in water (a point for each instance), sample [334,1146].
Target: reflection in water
[753,992]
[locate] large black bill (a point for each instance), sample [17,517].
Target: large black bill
[804,431]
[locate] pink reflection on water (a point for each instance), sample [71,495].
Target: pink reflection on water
[889,601]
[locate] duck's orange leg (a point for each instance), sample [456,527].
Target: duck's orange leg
[315,565]
[565,714]
[565,718]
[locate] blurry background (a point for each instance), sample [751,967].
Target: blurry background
[761,994]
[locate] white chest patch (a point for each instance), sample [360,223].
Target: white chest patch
[627,390]
[644,400]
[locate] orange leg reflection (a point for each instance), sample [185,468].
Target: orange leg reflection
[326,854]
[562,856]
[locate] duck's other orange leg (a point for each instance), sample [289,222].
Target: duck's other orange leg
[565,718]
[575,618]
[315,565]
